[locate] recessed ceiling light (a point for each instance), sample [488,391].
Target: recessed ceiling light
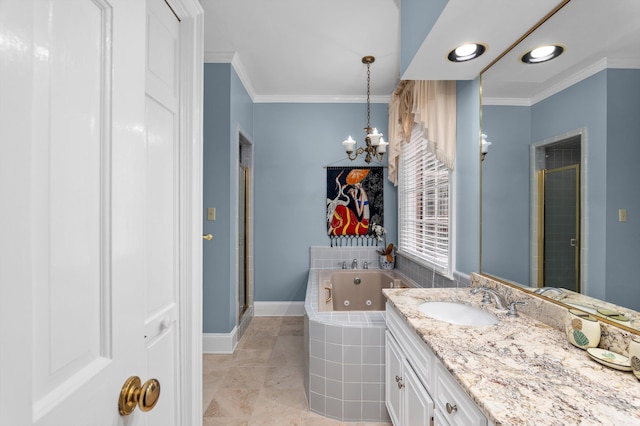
[542,54]
[466,52]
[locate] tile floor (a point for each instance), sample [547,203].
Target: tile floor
[261,383]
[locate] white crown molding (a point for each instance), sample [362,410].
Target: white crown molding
[583,74]
[570,81]
[506,101]
[233,59]
[328,99]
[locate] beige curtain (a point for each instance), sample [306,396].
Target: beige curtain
[434,109]
[431,104]
[400,124]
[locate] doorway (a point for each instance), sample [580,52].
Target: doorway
[245,280]
[558,214]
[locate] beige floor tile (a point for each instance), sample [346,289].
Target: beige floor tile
[265,343]
[288,350]
[292,326]
[251,357]
[285,377]
[244,378]
[263,326]
[224,421]
[237,403]
[207,397]
[280,403]
[312,419]
[261,384]
[215,362]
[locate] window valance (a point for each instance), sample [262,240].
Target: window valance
[432,105]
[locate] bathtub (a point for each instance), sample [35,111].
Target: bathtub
[344,345]
[355,290]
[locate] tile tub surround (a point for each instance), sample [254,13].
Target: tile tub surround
[344,361]
[522,371]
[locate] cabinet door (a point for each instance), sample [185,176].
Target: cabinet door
[439,420]
[393,377]
[453,403]
[418,405]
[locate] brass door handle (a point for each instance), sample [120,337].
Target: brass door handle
[144,396]
[207,237]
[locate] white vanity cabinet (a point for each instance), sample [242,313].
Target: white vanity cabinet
[408,402]
[419,390]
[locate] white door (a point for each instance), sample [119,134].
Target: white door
[92,249]
[161,281]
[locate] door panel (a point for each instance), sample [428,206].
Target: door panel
[89,166]
[71,257]
[162,282]
[562,227]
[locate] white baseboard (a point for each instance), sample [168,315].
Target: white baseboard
[278,309]
[220,343]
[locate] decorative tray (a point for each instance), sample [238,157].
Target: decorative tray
[610,359]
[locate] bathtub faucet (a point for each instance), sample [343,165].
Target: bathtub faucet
[354,264]
[365,265]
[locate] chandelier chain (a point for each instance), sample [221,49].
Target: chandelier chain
[368,96]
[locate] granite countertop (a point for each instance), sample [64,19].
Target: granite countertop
[521,371]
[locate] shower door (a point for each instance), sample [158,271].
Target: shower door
[243,182]
[559,230]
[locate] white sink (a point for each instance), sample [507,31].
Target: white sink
[458,313]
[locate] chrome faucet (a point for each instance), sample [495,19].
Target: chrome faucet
[512,308]
[543,290]
[365,265]
[344,264]
[354,264]
[499,300]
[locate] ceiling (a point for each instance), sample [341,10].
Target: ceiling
[595,37]
[311,51]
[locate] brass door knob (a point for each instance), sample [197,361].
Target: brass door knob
[207,237]
[133,393]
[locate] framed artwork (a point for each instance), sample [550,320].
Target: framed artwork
[355,200]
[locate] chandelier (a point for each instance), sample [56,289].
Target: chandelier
[375,144]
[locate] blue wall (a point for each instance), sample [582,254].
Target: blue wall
[227,110]
[505,201]
[417,17]
[293,144]
[467,171]
[606,105]
[583,105]
[623,175]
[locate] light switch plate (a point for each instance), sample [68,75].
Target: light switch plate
[622,215]
[211,213]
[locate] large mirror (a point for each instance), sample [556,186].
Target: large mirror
[560,180]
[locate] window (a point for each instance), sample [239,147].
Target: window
[423,205]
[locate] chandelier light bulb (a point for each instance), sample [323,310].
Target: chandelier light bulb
[382,146]
[349,144]
[374,137]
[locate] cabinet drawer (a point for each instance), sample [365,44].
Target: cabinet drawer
[417,352]
[462,410]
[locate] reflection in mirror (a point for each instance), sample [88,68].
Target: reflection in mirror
[560,206]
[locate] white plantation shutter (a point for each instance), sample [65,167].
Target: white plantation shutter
[423,205]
